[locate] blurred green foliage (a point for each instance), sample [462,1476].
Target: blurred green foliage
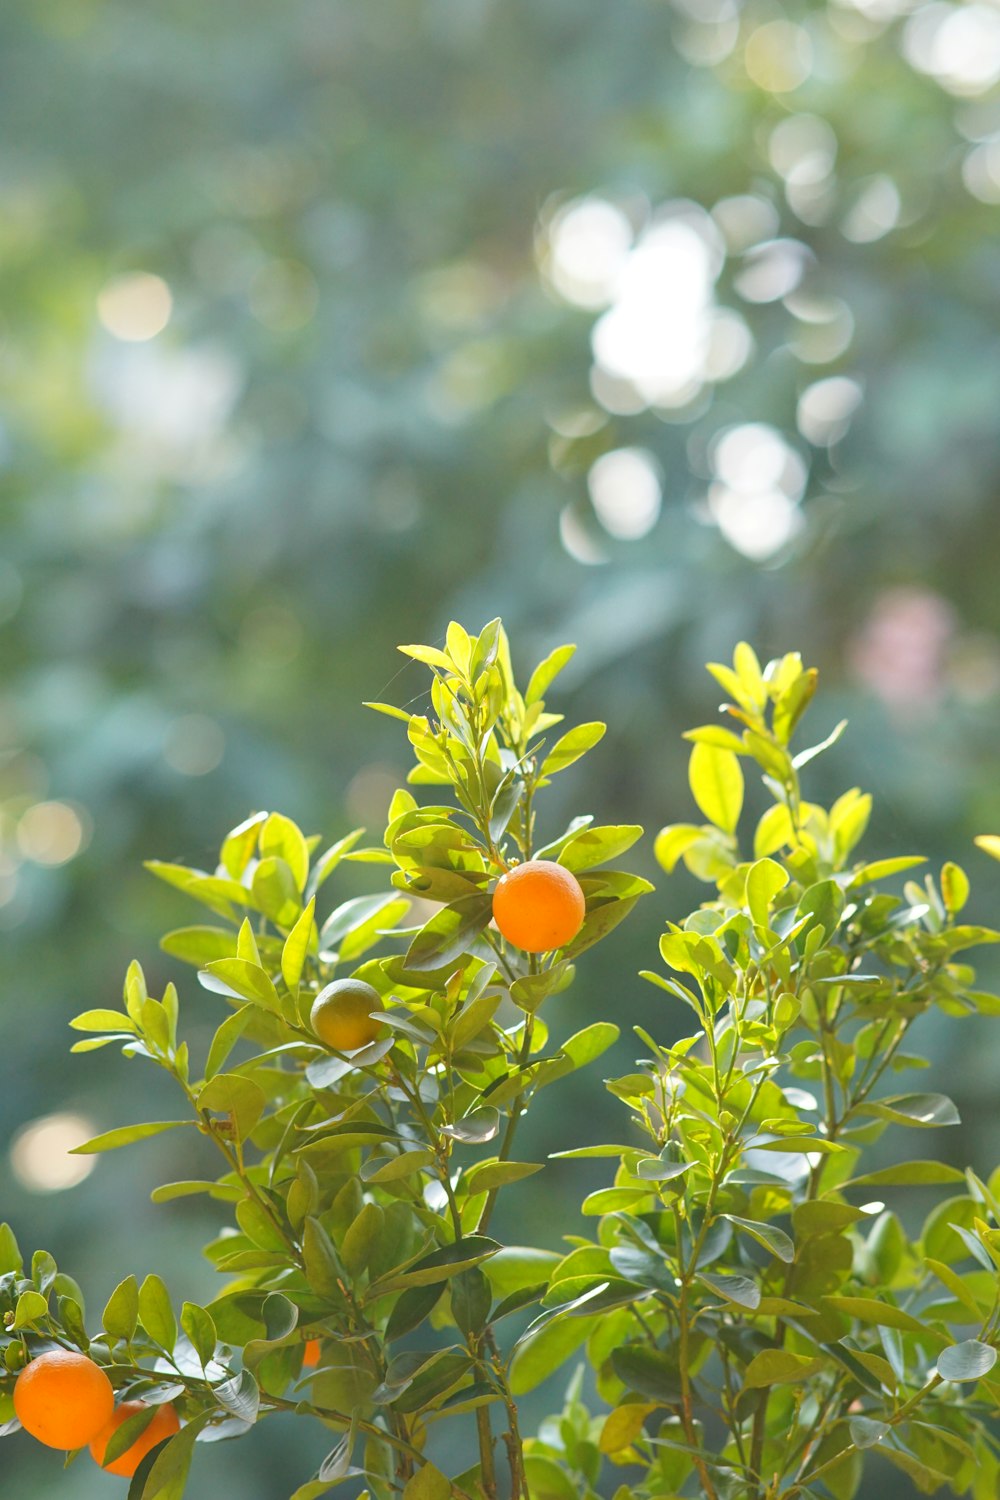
[371,407]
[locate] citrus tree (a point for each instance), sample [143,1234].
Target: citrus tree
[756,1316]
[366,1128]
[754,1322]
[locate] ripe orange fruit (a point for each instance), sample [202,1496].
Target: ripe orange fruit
[63,1399]
[538,906]
[341,1014]
[163,1425]
[311,1355]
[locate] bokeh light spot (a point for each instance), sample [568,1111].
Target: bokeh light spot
[135,307]
[957,45]
[588,243]
[626,493]
[39,1153]
[50,833]
[875,212]
[759,479]
[370,791]
[826,407]
[778,56]
[194,745]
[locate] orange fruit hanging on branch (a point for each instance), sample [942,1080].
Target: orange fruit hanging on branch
[163,1425]
[341,1014]
[538,906]
[311,1353]
[63,1399]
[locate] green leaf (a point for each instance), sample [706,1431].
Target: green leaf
[449,933]
[280,1315]
[280,838]
[881,869]
[546,672]
[125,1135]
[486,1176]
[595,846]
[954,887]
[439,1265]
[43,1271]
[30,1307]
[331,858]
[361,1237]
[199,945]
[717,785]
[471,1299]
[103,1020]
[805,756]
[240,1396]
[924,1110]
[739,1289]
[430,656]
[674,841]
[530,990]
[156,1314]
[779,1367]
[865,1432]
[128,1433]
[296,948]
[364,935]
[545,1348]
[225,1039]
[882,1314]
[427,1483]
[10,1255]
[966,1361]
[168,1192]
[956,1285]
[768,1235]
[238,1097]
[276,892]
[411,1308]
[571,747]
[590,1043]
[515,1267]
[764,880]
[907,1174]
[320,1260]
[239,845]
[162,1475]
[650,1372]
[247,980]
[121,1313]
[200,1329]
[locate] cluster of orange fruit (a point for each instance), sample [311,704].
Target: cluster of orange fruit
[65,1400]
[537,906]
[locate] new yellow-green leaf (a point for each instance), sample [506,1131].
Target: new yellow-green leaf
[717,785]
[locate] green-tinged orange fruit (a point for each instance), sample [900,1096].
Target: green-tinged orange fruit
[163,1425]
[63,1399]
[538,906]
[341,1014]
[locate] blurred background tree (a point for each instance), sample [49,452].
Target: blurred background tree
[648,326]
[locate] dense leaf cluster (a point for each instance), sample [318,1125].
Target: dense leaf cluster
[754,1321]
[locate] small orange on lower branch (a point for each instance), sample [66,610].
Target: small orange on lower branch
[341,1014]
[163,1425]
